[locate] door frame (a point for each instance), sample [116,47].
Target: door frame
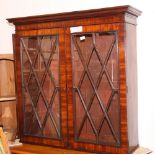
[119,28]
[62,82]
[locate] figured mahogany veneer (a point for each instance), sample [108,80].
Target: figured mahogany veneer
[37,149]
[78,90]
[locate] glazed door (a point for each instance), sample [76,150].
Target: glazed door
[43,110]
[95,119]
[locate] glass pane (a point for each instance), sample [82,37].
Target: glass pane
[40,77]
[95,87]
[112,65]
[94,65]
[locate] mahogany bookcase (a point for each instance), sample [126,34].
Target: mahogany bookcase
[76,79]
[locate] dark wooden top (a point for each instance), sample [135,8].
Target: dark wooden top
[75,15]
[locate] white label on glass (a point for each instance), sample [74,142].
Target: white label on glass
[76,29]
[82,38]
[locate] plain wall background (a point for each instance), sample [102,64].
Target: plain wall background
[145,46]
